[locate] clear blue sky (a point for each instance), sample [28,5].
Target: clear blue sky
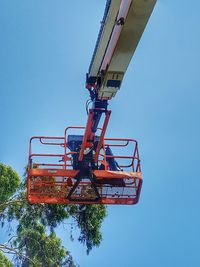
[45,50]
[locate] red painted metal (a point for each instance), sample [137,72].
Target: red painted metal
[101,140]
[88,136]
[51,175]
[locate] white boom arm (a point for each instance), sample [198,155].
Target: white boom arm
[122,27]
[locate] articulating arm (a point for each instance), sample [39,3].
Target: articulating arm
[94,115]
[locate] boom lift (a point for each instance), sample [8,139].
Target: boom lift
[83,167]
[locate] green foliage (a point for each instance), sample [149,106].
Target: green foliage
[9,182]
[29,214]
[36,220]
[4,261]
[89,219]
[43,250]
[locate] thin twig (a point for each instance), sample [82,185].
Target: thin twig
[11,202]
[9,250]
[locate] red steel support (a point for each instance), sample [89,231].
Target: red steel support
[88,136]
[101,140]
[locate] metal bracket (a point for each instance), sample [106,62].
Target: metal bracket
[80,176]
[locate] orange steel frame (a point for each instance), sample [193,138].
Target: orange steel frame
[51,182]
[89,134]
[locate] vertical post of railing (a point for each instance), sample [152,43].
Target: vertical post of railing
[29,156]
[138,160]
[134,156]
[105,162]
[65,150]
[29,167]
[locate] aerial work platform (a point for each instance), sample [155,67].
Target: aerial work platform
[54,177]
[83,166]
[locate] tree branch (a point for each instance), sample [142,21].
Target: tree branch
[10,250]
[10,202]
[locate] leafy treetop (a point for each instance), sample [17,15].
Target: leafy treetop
[9,182]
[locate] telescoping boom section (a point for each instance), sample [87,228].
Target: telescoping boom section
[84,166]
[122,26]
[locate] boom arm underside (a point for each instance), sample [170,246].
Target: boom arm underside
[122,27]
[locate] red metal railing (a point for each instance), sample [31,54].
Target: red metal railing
[57,162]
